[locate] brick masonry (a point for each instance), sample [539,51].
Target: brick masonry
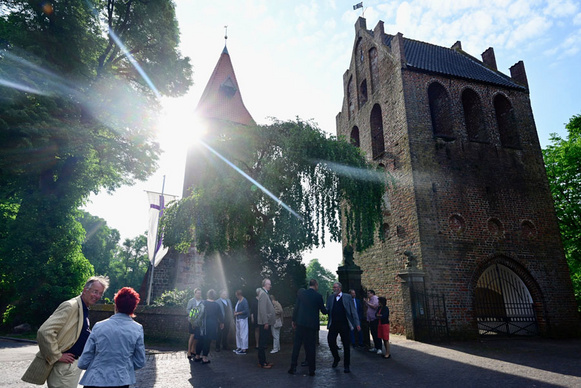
[457,204]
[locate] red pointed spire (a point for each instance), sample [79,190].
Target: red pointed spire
[221,98]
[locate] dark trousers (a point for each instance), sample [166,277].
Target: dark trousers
[373,326]
[263,339]
[307,337]
[223,336]
[341,329]
[94,386]
[356,337]
[365,333]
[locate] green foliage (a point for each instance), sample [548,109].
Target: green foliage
[129,266]
[174,298]
[100,244]
[76,118]
[322,275]
[563,165]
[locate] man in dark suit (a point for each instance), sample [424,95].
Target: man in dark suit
[357,336]
[306,325]
[342,319]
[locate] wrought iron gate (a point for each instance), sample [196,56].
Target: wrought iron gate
[503,304]
[429,315]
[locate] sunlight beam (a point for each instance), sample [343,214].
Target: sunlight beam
[135,64]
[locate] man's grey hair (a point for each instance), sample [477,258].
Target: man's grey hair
[264,281]
[104,280]
[339,284]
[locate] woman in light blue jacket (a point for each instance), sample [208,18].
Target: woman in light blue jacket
[115,348]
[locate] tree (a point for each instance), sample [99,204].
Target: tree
[322,275]
[76,116]
[129,265]
[287,184]
[100,244]
[563,165]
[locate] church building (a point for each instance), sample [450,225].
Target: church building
[470,242]
[220,105]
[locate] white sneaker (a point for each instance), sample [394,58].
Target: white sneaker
[379,351]
[372,350]
[274,351]
[240,351]
[236,350]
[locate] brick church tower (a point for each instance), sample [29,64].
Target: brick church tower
[220,106]
[471,243]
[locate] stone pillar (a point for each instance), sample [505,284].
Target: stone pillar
[349,274]
[412,280]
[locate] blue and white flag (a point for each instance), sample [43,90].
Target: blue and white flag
[358,5]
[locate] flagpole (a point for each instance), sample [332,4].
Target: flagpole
[155,246]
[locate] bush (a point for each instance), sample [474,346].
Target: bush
[174,298]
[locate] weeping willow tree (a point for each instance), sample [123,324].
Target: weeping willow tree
[265,194]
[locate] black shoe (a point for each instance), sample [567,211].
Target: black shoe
[335,362]
[311,373]
[347,370]
[304,363]
[197,359]
[292,370]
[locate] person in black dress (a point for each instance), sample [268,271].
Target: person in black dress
[213,319]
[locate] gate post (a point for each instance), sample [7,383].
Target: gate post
[412,280]
[350,273]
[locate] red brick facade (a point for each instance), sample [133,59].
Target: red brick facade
[469,188]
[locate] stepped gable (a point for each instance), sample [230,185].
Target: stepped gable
[456,63]
[221,98]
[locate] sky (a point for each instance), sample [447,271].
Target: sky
[289,57]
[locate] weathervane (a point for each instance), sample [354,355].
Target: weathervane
[225,35]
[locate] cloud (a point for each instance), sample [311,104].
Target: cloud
[529,30]
[560,8]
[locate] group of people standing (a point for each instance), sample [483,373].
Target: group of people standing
[265,314]
[345,315]
[110,353]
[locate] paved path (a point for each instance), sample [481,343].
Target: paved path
[535,362]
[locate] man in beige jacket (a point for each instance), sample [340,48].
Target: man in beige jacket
[266,318]
[62,337]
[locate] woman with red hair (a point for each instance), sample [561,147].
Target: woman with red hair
[115,348]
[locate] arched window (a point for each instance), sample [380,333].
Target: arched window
[373,69]
[359,51]
[506,122]
[363,92]
[473,116]
[440,111]
[377,141]
[355,136]
[351,97]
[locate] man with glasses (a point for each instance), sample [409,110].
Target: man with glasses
[62,337]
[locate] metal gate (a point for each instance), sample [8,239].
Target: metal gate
[429,315]
[503,304]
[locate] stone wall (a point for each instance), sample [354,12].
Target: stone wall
[171,324]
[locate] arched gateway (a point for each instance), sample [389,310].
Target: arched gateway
[503,304]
